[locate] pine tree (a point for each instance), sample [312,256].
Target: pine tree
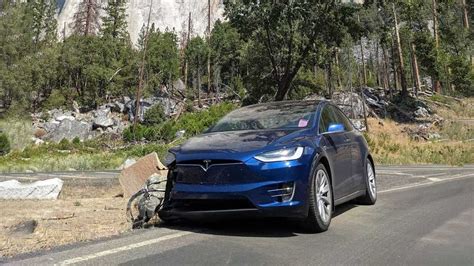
[43,15]
[50,22]
[141,37]
[114,23]
[86,19]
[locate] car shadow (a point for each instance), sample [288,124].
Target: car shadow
[344,208]
[250,227]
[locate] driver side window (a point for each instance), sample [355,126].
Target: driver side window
[342,119]
[327,118]
[331,115]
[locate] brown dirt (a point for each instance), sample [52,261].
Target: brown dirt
[80,214]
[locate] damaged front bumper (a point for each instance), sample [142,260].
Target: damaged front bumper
[282,196]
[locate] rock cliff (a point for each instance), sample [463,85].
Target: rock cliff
[165,14]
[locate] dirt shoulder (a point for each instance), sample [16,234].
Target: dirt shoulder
[81,213]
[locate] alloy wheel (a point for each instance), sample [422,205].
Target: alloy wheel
[371,180]
[323,196]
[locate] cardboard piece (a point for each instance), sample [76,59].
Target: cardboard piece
[134,177]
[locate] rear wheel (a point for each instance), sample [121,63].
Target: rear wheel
[370,196]
[320,202]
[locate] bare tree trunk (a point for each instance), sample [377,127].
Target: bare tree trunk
[377,65]
[199,84]
[465,14]
[364,73]
[415,70]
[329,77]
[142,71]
[386,79]
[194,77]
[217,78]
[365,111]
[208,43]
[436,83]
[400,55]
[186,63]
[394,67]
[338,73]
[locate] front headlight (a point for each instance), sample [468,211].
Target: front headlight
[281,155]
[169,159]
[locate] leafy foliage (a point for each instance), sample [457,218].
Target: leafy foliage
[4,144]
[288,33]
[155,115]
[264,50]
[191,123]
[162,60]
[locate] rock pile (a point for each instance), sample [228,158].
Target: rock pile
[111,118]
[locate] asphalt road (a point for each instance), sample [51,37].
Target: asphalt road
[423,216]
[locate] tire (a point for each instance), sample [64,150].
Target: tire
[320,201]
[370,196]
[167,219]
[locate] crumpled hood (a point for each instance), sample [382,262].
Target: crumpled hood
[234,141]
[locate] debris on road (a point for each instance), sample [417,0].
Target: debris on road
[133,177]
[42,190]
[147,201]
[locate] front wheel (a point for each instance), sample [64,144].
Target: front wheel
[320,202]
[370,196]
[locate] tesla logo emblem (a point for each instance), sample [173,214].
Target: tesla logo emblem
[206,164]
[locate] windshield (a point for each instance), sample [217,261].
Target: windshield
[278,115]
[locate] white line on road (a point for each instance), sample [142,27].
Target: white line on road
[432,181]
[123,248]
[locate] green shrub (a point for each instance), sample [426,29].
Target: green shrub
[64,144]
[133,133]
[55,100]
[191,123]
[4,144]
[76,141]
[154,116]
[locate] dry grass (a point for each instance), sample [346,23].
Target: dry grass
[71,218]
[454,110]
[391,145]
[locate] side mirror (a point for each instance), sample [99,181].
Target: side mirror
[333,128]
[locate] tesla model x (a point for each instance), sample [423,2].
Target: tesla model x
[295,159]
